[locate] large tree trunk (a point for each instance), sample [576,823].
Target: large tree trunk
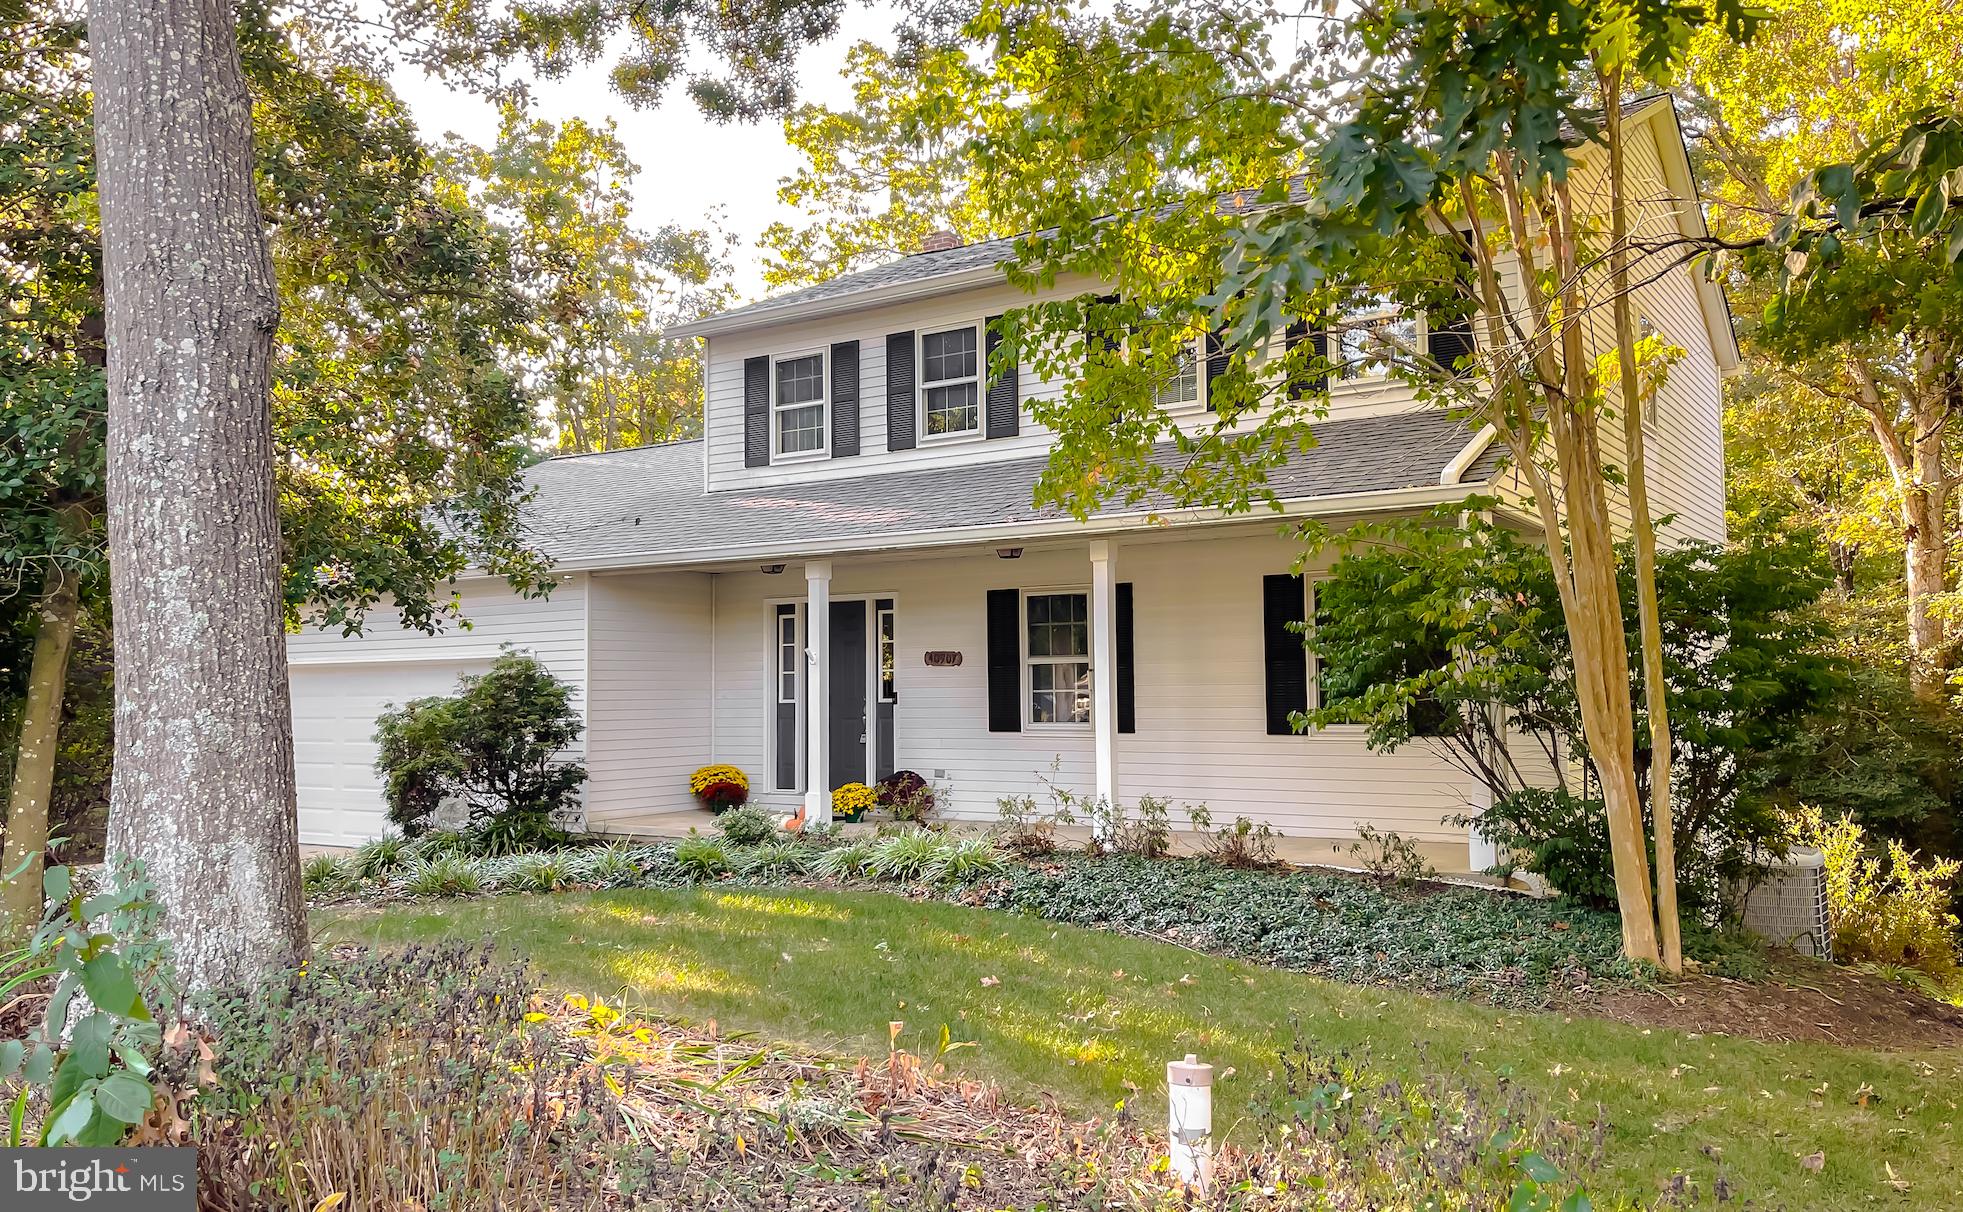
[34,762]
[203,789]
[1916,462]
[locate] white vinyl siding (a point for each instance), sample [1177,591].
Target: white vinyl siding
[649,723]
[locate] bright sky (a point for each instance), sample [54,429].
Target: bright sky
[691,168]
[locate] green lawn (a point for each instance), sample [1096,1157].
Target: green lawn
[1079,1013]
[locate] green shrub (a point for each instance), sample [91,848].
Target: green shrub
[777,859]
[749,825]
[701,858]
[1242,844]
[446,875]
[1389,856]
[1558,836]
[907,795]
[91,1058]
[1145,832]
[1891,909]
[906,857]
[439,842]
[495,745]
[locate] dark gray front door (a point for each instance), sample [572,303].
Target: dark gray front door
[848,693]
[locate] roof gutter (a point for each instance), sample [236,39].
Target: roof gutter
[813,309]
[1338,503]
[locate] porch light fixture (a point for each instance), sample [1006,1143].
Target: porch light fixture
[771,569]
[1009,553]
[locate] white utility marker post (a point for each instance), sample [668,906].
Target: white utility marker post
[1104,670]
[817,693]
[1189,1107]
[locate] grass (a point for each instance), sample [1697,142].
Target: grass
[1088,1016]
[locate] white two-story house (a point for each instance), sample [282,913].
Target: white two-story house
[846,577]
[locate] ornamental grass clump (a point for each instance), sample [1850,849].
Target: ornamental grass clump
[446,876]
[775,860]
[382,856]
[415,1079]
[328,875]
[846,862]
[907,857]
[619,865]
[701,858]
[966,858]
[546,871]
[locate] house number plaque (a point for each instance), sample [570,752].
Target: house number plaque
[939,659]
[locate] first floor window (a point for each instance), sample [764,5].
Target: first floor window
[1059,649]
[799,404]
[885,656]
[787,654]
[950,381]
[1368,339]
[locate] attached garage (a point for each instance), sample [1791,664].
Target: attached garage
[334,710]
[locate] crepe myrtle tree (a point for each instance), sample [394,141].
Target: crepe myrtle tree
[1421,156]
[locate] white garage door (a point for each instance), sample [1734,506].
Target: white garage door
[334,710]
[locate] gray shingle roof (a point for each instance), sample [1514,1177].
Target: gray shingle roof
[647,506]
[917,267]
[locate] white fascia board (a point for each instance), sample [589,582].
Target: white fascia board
[858,300]
[1341,503]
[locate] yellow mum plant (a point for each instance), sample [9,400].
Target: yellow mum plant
[851,801]
[719,787]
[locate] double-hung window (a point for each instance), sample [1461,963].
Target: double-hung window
[950,382]
[1369,338]
[1182,386]
[798,404]
[1058,637]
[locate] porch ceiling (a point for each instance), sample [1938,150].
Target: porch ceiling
[647,507]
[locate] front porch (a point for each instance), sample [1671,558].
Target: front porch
[982,668]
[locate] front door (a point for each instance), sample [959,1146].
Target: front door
[850,687]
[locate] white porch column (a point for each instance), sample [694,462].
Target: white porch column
[817,692]
[1104,668]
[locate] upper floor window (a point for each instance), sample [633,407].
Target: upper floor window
[950,381]
[1369,338]
[798,404]
[1182,386]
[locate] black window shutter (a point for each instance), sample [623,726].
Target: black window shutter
[1004,661]
[1448,333]
[1287,659]
[1004,392]
[1305,383]
[899,391]
[1216,366]
[1127,718]
[756,412]
[845,398]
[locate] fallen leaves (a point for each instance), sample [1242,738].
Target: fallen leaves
[1815,1162]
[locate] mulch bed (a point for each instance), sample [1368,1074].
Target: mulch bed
[1800,1002]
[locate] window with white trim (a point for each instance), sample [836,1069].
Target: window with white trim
[1182,386]
[950,382]
[1057,652]
[787,657]
[1368,339]
[797,404]
[886,655]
